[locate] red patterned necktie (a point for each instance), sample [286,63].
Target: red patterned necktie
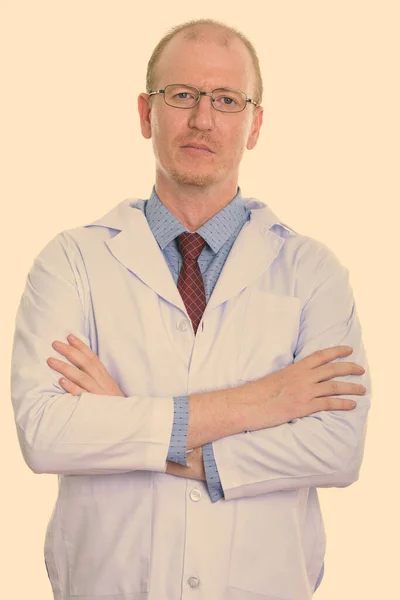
[190,282]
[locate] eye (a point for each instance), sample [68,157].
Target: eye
[180,94]
[230,100]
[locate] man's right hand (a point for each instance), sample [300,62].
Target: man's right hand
[301,389]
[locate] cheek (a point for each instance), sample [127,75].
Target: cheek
[235,134]
[167,132]
[236,142]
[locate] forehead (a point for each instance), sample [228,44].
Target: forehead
[206,64]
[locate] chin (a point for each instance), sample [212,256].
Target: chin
[190,178]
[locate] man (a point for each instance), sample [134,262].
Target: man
[198,408]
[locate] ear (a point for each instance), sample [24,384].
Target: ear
[255,130]
[144,113]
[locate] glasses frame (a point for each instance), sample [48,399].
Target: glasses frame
[199,94]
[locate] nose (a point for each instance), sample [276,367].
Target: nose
[202,115]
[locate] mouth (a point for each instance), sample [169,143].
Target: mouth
[197,150]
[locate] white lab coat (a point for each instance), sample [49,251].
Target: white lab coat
[124,529]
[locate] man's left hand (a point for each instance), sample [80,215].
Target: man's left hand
[86,374]
[195,468]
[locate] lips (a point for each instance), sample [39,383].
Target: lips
[199,146]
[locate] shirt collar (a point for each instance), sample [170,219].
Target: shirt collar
[216,231]
[123,215]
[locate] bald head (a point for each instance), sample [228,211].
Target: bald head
[207,31]
[231,67]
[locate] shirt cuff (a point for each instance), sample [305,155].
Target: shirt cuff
[214,485]
[177,446]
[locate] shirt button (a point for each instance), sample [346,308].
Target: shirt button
[182,325]
[193,582]
[195,495]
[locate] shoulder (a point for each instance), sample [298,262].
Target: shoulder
[307,251]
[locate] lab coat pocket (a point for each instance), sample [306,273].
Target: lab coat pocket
[106,525]
[266,555]
[269,335]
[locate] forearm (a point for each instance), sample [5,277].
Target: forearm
[217,414]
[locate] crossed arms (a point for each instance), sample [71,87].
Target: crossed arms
[102,431]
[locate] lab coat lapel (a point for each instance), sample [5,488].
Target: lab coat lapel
[251,254]
[136,248]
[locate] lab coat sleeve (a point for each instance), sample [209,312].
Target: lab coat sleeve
[324,449]
[57,431]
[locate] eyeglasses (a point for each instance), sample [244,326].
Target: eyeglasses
[180,95]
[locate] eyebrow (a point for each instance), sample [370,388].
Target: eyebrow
[218,87]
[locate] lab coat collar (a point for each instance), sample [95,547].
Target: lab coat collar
[135,246]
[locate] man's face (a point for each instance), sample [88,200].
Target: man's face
[207,66]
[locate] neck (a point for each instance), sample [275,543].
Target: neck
[194,205]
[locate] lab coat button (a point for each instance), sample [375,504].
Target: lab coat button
[193,582]
[195,495]
[182,325]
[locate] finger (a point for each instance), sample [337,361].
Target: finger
[71,387]
[323,356]
[73,374]
[335,369]
[84,348]
[74,355]
[335,388]
[319,404]
[81,357]
[89,362]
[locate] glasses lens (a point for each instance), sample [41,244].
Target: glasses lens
[181,96]
[229,100]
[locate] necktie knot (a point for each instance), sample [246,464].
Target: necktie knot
[191,245]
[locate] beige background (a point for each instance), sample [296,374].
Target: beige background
[327,162]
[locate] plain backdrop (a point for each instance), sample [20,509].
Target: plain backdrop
[327,162]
